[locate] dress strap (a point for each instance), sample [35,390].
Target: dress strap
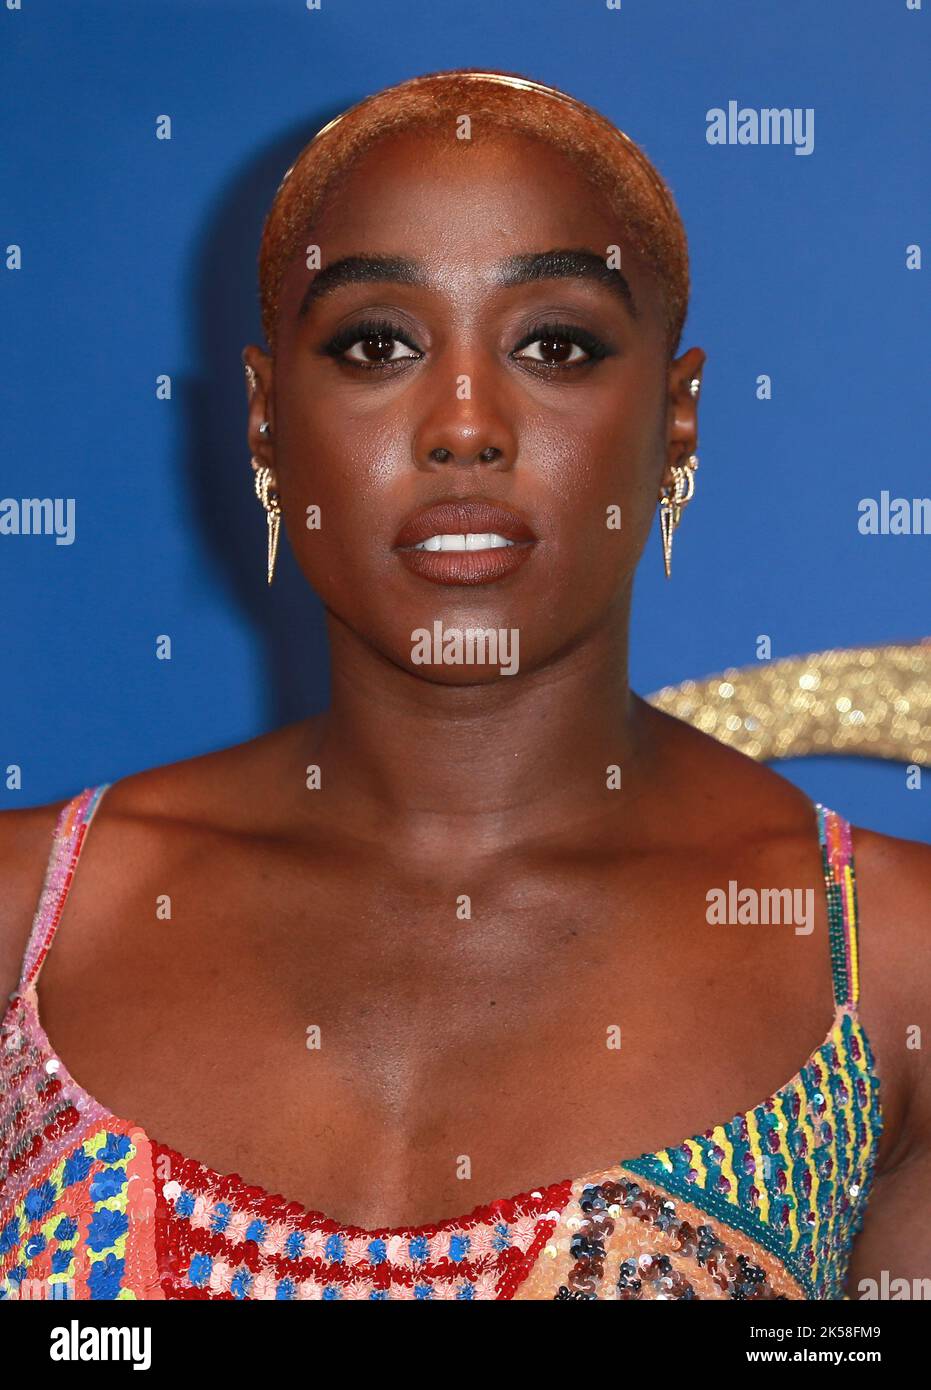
[841,884]
[67,841]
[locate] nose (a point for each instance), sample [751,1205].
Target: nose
[465,427]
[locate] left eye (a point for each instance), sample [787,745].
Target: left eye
[555,351]
[560,345]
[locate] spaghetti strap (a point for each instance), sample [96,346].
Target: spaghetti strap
[67,842]
[841,884]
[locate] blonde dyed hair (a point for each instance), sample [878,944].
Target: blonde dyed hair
[648,220]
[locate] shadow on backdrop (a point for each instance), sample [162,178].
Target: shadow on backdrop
[216,475]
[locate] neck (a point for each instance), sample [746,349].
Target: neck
[484,765]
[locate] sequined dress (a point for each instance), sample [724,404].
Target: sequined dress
[763,1205]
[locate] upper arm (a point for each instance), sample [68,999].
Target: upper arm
[895,1242]
[894,893]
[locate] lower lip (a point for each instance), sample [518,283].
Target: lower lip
[466,566]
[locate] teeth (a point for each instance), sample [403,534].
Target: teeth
[472,540]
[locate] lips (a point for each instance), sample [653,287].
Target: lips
[498,541]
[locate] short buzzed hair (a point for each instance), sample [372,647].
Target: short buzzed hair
[647,215]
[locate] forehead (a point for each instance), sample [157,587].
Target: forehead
[462,206]
[493,178]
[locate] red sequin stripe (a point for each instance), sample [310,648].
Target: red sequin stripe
[178,1240]
[518,1270]
[63,1123]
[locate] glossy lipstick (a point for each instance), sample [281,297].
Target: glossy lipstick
[464,541]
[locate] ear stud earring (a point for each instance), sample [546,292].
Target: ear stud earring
[694,386]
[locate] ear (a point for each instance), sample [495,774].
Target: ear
[682,411]
[259,378]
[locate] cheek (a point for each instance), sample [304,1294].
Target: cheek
[334,471]
[328,519]
[599,475]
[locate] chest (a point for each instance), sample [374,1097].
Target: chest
[391,1048]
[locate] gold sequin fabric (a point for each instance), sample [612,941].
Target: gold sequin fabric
[874,701]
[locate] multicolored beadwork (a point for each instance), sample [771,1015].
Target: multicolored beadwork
[219,1238]
[652,1273]
[837,861]
[795,1172]
[765,1206]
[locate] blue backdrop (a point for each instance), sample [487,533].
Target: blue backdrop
[138,261]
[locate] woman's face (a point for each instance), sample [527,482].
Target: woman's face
[536,411]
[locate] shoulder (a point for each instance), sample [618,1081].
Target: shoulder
[25,846]
[149,818]
[893,880]
[894,942]
[751,810]
[900,867]
[232,791]
[893,894]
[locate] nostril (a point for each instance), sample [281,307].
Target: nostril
[490,454]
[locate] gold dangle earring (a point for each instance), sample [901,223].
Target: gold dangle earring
[673,498]
[266,490]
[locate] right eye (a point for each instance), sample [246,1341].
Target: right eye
[372,344]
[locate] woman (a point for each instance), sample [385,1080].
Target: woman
[452,940]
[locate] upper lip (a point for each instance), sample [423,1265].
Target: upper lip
[460,516]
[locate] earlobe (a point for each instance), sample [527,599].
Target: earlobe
[683,425]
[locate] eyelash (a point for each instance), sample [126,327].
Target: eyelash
[384,328]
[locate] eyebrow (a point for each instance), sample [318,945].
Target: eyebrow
[566,265]
[524,269]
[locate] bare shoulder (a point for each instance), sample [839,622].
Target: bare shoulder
[144,819]
[894,949]
[894,898]
[894,880]
[227,790]
[25,845]
[894,938]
